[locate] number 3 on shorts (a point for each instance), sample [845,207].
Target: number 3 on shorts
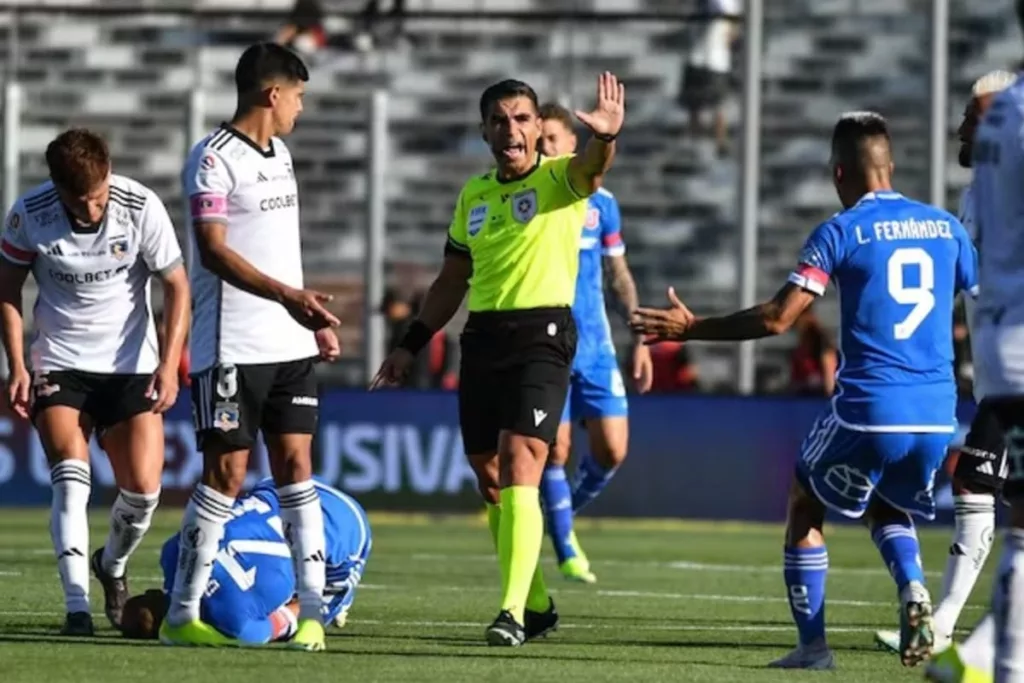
[920,297]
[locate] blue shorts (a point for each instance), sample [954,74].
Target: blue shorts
[596,389]
[845,468]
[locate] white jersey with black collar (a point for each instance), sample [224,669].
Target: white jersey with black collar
[229,179]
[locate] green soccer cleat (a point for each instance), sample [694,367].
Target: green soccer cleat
[309,637]
[577,568]
[949,667]
[194,633]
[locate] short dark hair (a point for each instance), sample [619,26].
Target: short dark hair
[555,112]
[266,61]
[506,90]
[858,125]
[78,160]
[862,138]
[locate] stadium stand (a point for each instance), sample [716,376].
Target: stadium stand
[128,75]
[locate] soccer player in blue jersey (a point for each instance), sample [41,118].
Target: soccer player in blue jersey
[250,598]
[597,394]
[898,265]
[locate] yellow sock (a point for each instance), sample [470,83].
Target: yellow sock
[538,599]
[520,534]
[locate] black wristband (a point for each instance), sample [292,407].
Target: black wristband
[606,138]
[416,337]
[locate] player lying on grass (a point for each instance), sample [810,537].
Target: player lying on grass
[250,598]
[981,467]
[898,265]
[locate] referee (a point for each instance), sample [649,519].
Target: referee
[514,245]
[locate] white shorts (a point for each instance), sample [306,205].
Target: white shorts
[999,358]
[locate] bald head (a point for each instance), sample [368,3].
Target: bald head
[861,155]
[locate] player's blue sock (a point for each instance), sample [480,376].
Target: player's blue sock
[805,570]
[556,497]
[900,551]
[591,478]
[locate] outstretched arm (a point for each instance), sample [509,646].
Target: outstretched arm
[586,171]
[677,323]
[764,320]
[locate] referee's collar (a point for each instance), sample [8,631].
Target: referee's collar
[268,153]
[521,176]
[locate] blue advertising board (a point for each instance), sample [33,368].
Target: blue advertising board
[692,456]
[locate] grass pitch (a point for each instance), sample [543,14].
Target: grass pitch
[675,601]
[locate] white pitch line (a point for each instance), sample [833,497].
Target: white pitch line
[680,564]
[608,593]
[683,565]
[582,627]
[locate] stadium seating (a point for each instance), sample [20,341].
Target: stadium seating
[129,75]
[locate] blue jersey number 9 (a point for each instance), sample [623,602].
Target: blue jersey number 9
[920,297]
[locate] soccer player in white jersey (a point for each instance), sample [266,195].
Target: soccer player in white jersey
[981,466]
[92,240]
[256,333]
[998,162]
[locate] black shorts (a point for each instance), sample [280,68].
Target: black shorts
[1009,412]
[107,399]
[514,375]
[982,460]
[703,87]
[231,404]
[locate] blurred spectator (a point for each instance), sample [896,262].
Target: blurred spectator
[707,76]
[374,29]
[963,363]
[674,370]
[436,367]
[304,30]
[814,360]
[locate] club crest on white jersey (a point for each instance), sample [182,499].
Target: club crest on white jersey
[93,313]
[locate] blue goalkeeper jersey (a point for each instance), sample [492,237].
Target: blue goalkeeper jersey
[898,265]
[602,236]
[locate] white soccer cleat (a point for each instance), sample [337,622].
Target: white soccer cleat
[813,658]
[888,640]
[340,619]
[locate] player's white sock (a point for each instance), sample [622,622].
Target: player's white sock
[1008,609]
[69,530]
[201,531]
[304,529]
[129,521]
[972,541]
[979,650]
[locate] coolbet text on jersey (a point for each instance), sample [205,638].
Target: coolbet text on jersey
[597,389]
[523,236]
[93,312]
[229,180]
[253,576]
[898,265]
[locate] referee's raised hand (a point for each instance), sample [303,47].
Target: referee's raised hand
[306,306]
[606,119]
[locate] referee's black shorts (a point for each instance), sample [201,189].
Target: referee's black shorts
[514,375]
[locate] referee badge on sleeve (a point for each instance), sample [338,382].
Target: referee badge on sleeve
[225,416]
[477,218]
[524,205]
